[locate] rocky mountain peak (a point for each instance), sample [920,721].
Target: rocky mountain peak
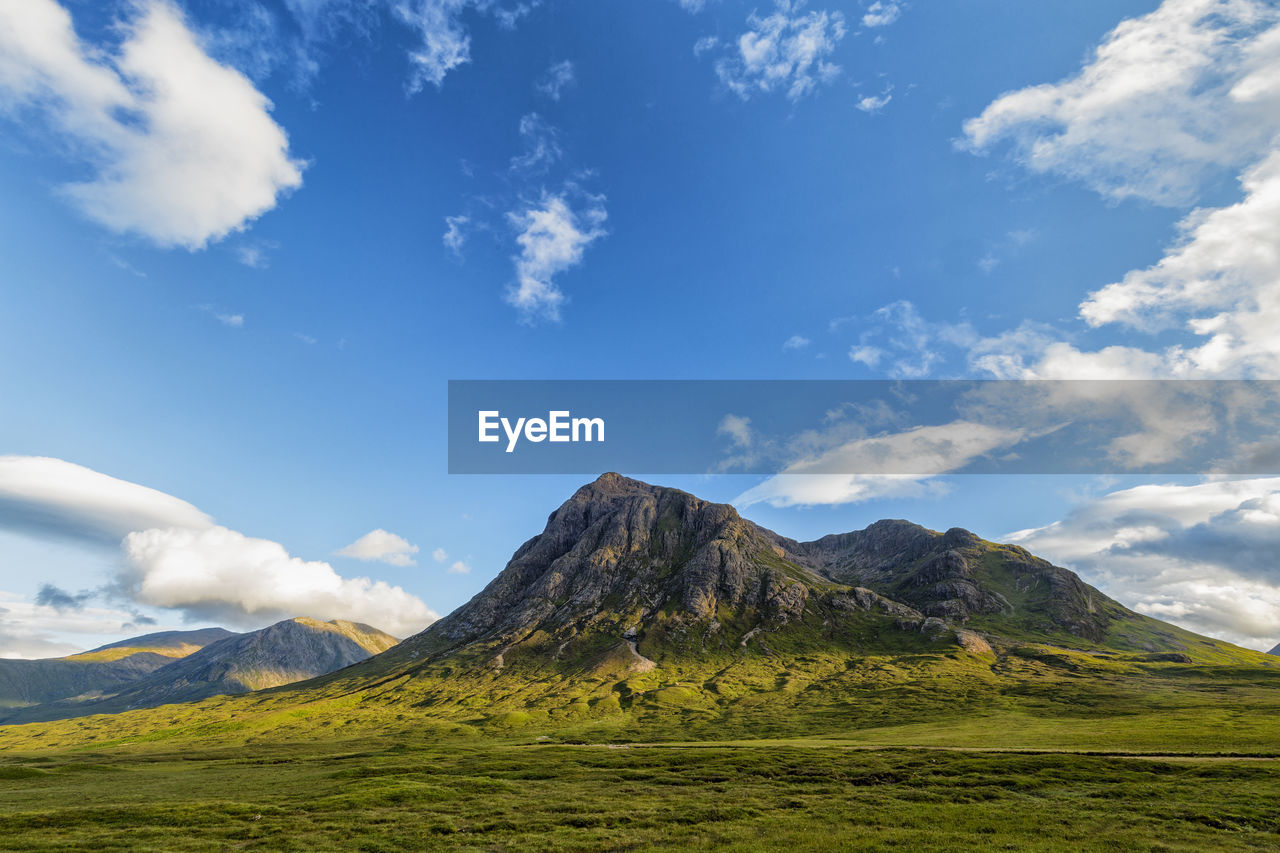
[620,551]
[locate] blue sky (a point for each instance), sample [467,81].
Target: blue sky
[246,245]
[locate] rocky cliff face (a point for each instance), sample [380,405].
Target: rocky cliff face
[620,552]
[289,651]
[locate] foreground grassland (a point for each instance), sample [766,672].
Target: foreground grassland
[374,796]
[1037,748]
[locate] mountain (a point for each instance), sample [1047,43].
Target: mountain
[104,670]
[629,571]
[283,653]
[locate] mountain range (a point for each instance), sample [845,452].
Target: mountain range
[182,666]
[642,610]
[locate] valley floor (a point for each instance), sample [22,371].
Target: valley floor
[391,794]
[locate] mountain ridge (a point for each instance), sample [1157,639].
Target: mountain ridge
[289,651]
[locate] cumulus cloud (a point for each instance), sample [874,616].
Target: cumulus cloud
[184,148]
[552,237]
[459,567]
[559,77]
[788,51]
[796,342]
[218,573]
[1167,102]
[51,497]
[1166,99]
[1201,556]
[440,555]
[176,557]
[383,547]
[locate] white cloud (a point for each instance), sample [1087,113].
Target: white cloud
[184,148]
[881,14]
[382,546]
[235,321]
[909,346]
[559,77]
[222,574]
[458,567]
[439,555]
[454,236]
[306,339]
[1168,100]
[693,6]
[704,44]
[1200,556]
[737,428]
[48,496]
[176,557]
[787,51]
[552,238]
[796,342]
[874,103]
[445,43]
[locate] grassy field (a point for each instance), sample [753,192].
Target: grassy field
[1041,748]
[373,795]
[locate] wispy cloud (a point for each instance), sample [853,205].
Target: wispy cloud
[559,77]
[874,103]
[455,235]
[541,145]
[898,340]
[256,254]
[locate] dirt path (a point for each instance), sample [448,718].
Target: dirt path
[640,662]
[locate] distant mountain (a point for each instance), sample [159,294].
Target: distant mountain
[101,671]
[288,651]
[1275,651]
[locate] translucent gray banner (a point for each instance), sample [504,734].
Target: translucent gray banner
[874,428]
